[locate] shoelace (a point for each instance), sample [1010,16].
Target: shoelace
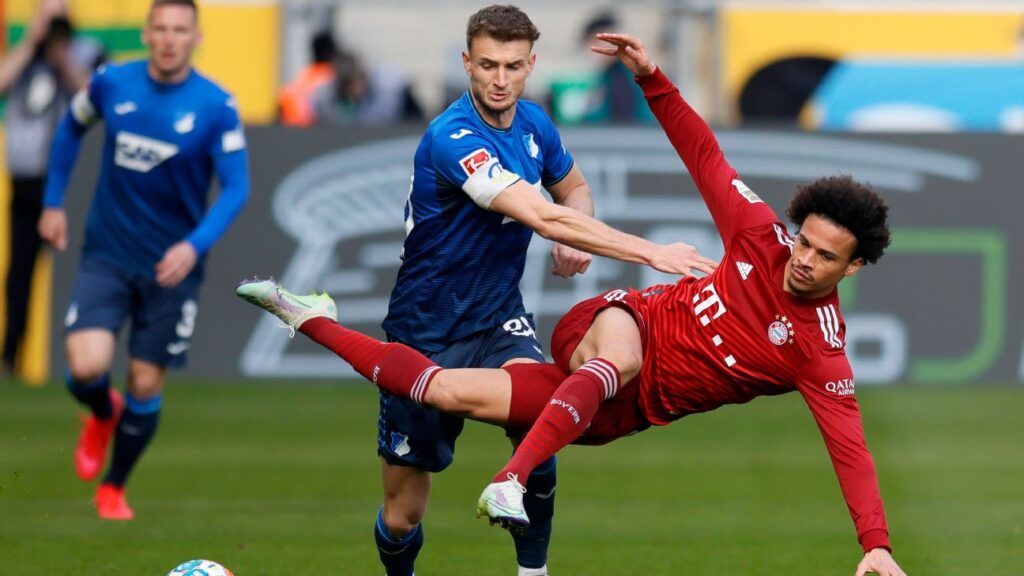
[277,291]
[518,485]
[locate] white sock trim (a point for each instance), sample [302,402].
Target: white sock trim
[419,389]
[607,373]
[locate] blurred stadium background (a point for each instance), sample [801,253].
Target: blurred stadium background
[265,461]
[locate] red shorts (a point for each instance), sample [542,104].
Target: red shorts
[532,387]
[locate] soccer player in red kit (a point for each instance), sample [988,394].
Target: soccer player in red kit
[766,322]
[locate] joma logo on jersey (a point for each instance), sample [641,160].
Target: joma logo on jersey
[842,387]
[475,161]
[141,154]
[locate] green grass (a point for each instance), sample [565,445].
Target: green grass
[279,480]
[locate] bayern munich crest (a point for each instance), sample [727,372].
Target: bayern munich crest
[780,331]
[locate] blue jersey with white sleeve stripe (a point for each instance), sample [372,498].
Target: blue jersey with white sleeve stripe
[462,263]
[163,144]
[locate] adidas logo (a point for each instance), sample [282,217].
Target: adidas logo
[744,269]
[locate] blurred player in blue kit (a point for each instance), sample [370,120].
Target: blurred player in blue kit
[474,204]
[168,131]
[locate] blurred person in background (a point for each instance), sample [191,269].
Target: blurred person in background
[606,92]
[365,95]
[168,132]
[296,100]
[37,78]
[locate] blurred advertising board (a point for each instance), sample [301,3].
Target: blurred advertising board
[326,212]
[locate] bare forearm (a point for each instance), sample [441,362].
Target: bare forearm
[579,199]
[14,63]
[576,229]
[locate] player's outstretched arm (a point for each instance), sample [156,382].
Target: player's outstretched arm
[879,561]
[525,204]
[627,49]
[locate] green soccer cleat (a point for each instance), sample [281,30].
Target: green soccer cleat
[293,310]
[502,503]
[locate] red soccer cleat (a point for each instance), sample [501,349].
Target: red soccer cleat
[91,452]
[111,503]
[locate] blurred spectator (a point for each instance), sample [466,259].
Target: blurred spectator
[366,95]
[296,99]
[38,78]
[607,94]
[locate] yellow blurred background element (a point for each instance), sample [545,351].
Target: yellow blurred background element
[754,37]
[240,48]
[240,51]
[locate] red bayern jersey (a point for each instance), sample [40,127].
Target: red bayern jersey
[736,334]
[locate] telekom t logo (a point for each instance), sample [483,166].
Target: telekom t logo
[712,299]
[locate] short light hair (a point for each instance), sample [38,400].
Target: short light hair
[503,23]
[188,3]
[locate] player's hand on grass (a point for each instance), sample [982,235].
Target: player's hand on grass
[568,261]
[53,228]
[177,262]
[628,49]
[680,258]
[879,561]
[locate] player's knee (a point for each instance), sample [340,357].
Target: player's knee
[626,360]
[629,364]
[84,368]
[144,383]
[399,521]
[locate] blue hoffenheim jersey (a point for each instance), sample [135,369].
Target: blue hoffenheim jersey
[463,263]
[159,154]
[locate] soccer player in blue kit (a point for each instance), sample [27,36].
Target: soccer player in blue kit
[168,131]
[474,204]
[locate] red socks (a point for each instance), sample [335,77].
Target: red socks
[567,415]
[393,367]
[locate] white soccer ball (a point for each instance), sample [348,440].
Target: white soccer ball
[200,568]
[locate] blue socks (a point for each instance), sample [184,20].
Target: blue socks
[136,428]
[539,501]
[95,394]
[397,554]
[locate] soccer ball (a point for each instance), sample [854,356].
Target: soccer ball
[200,568]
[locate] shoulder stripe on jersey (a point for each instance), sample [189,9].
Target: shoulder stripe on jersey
[784,238]
[828,320]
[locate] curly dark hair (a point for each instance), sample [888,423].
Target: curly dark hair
[503,23]
[849,204]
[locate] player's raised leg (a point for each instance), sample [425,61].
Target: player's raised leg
[609,354]
[476,393]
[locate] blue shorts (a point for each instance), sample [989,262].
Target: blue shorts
[163,319]
[410,435]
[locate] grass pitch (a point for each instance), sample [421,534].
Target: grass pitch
[275,480]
